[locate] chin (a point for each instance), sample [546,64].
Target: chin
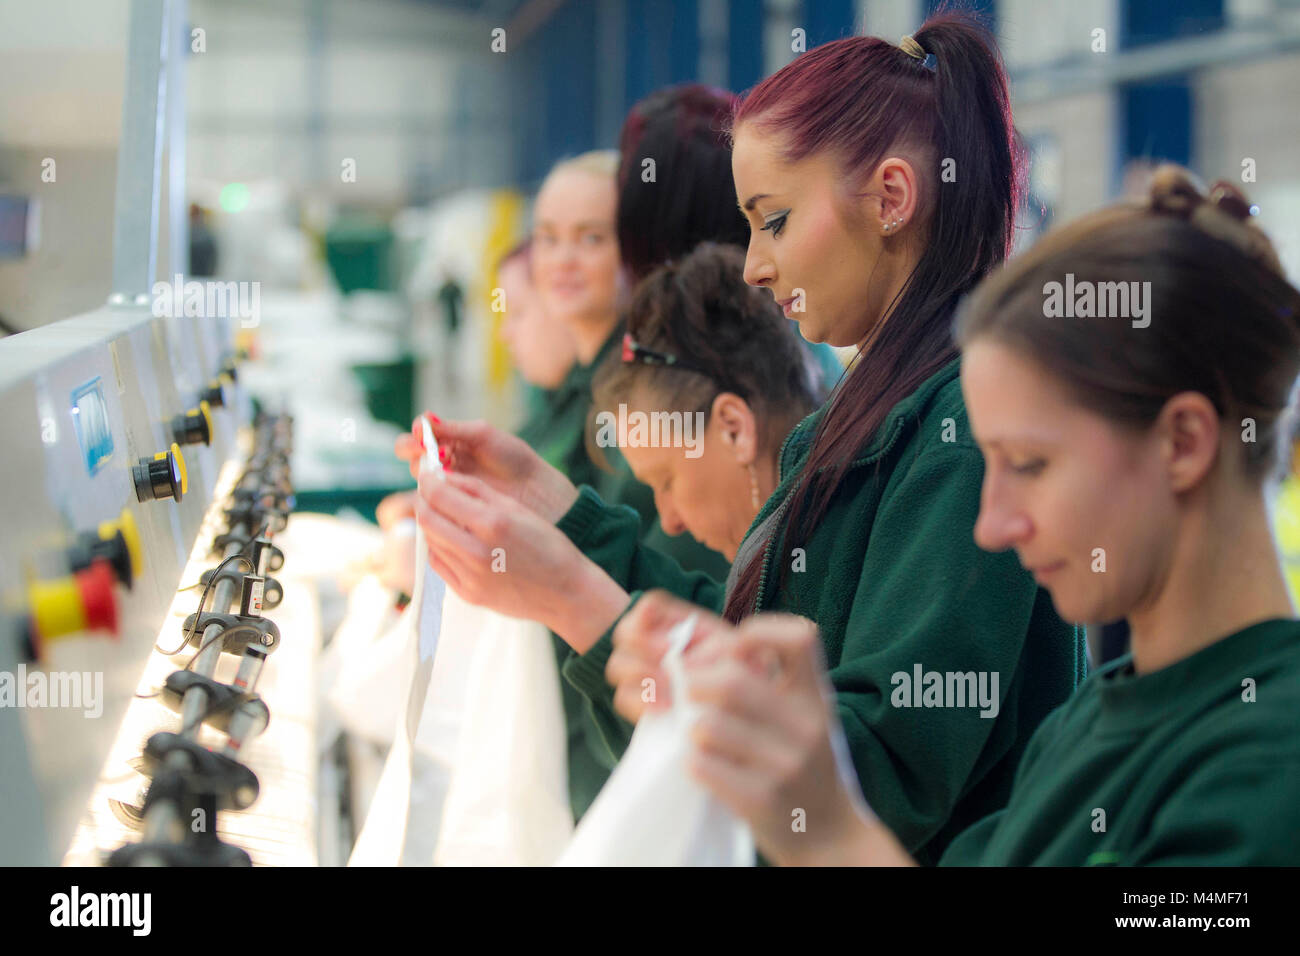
[1076,608]
[809,332]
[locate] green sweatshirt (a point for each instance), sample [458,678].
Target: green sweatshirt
[556,432]
[899,591]
[1196,764]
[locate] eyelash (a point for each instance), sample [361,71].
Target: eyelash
[776,224]
[1030,469]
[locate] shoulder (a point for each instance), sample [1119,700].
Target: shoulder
[941,423]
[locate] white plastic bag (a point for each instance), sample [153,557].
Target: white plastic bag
[508,802]
[650,812]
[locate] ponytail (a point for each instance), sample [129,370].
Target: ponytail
[861,97]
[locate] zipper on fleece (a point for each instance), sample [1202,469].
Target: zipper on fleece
[771,543]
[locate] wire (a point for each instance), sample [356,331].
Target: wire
[203,599]
[226,632]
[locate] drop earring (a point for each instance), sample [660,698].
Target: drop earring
[753,487]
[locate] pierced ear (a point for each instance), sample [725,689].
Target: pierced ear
[739,426]
[896,184]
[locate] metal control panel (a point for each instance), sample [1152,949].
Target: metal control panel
[114,427]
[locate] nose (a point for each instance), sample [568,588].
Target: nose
[759,270]
[1001,524]
[566,255]
[669,519]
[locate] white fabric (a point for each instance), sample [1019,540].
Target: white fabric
[497,719]
[650,812]
[382,839]
[508,802]
[366,660]
[384,835]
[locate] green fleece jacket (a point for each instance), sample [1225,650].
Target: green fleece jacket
[900,592]
[1196,764]
[556,431]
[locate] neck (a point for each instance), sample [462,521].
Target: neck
[590,334]
[766,468]
[1223,575]
[897,262]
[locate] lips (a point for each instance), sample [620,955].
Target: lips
[1043,571]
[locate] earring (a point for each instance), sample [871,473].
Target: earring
[892,224]
[753,487]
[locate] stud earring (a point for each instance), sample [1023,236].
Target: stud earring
[892,224]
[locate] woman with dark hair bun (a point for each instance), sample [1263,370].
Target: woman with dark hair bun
[1129,455]
[674,181]
[880,183]
[701,342]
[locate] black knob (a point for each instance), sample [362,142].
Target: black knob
[112,549]
[162,476]
[214,394]
[193,427]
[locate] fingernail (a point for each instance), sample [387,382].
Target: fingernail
[434,418]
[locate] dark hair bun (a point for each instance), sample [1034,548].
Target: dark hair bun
[732,336]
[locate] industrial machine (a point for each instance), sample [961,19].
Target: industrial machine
[131,458]
[141,657]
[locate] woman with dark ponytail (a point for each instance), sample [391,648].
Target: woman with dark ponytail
[880,183]
[1144,437]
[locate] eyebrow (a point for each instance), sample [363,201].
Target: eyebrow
[588,224]
[1000,441]
[748,205]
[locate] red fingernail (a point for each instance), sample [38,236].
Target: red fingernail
[434,418]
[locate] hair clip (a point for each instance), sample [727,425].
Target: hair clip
[634,351]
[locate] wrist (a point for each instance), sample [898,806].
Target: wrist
[557,494]
[591,602]
[849,838]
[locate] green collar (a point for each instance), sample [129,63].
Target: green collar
[908,409]
[1131,703]
[580,376]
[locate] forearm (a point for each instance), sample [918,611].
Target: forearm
[590,601]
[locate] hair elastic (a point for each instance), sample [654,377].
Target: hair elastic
[913,49]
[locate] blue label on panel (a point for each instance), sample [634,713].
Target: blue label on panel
[93,431]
